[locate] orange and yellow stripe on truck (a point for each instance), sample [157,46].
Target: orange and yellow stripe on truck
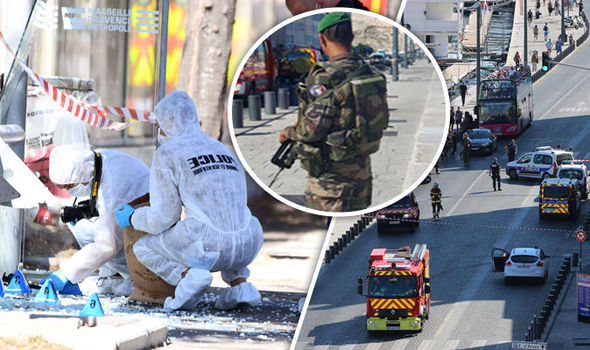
[388,304]
[394,273]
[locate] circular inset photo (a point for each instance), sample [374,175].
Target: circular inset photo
[338,111]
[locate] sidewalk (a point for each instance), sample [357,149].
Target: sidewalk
[414,134]
[565,332]
[554,24]
[517,43]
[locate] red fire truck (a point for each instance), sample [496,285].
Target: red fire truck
[398,291]
[259,72]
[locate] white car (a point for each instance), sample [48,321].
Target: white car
[575,170]
[526,263]
[540,164]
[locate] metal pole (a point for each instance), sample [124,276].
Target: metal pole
[405,51]
[478,67]
[395,54]
[526,28]
[163,49]
[563,37]
[162,56]
[580,259]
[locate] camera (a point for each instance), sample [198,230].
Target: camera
[83,210]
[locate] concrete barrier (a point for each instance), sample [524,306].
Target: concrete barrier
[254,108]
[346,239]
[270,104]
[237,113]
[283,98]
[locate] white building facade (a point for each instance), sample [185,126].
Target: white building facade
[437,23]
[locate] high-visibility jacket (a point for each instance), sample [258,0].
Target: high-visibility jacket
[435,194]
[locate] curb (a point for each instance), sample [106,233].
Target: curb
[353,232]
[539,322]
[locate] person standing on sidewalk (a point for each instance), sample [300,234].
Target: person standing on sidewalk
[517,59]
[530,16]
[511,150]
[334,151]
[546,31]
[535,60]
[452,121]
[458,117]
[495,173]
[549,45]
[558,46]
[557,9]
[550,7]
[463,91]
[435,200]
[536,32]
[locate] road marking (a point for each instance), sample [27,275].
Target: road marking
[465,194]
[476,344]
[427,344]
[563,97]
[452,344]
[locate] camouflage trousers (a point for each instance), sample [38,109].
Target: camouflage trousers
[338,196]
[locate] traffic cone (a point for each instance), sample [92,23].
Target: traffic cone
[92,307]
[47,294]
[71,288]
[18,284]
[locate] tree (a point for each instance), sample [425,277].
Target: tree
[203,69]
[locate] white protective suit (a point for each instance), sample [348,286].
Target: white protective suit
[123,179]
[218,232]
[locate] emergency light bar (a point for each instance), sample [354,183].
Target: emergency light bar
[544,148]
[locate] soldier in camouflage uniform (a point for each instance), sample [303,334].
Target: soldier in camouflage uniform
[342,114]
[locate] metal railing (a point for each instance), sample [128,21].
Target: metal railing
[539,322]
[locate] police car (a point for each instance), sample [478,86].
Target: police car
[575,170]
[540,164]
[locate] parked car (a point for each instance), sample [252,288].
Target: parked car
[521,263]
[483,140]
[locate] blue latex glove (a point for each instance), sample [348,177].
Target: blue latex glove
[58,279]
[123,215]
[73,223]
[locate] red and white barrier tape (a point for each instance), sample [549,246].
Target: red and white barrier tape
[80,109]
[450,223]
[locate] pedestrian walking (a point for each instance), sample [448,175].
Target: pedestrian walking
[463,91]
[511,150]
[530,16]
[558,46]
[546,31]
[549,45]
[535,60]
[536,32]
[495,173]
[466,148]
[557,9]
[517,59]
[458,117]
[538,5]
[435,200]
[550,7]
[452,121]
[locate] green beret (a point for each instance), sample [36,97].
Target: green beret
[331,19]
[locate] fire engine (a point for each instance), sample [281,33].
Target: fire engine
[398,296]
[259,72]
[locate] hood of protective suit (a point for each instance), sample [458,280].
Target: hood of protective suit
[176,114]
[69,164]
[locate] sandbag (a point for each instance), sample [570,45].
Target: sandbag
[149,287]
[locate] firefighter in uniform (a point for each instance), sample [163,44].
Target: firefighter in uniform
[495,173]
[435,196]
[342,114]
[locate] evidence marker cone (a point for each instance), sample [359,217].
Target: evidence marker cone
[71,289]
[47,294]
[18,284]
[92,307]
